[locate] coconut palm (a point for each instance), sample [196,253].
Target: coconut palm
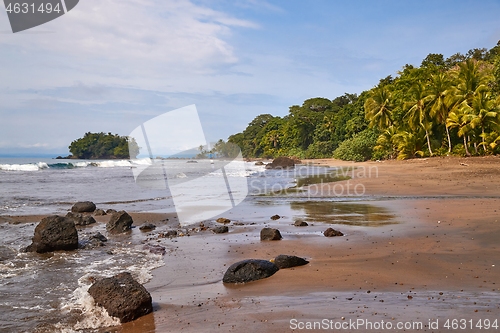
[378,108]
[410,144]
[460,118]
[437,91]
[418,115]
[484,111]
[386,142]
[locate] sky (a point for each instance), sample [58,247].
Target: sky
[111,65]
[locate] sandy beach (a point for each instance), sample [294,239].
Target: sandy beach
[435,259]
[438,263]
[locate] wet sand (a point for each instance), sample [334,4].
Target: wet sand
[439,262]
[436,259]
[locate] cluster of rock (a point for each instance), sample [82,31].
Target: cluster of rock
[255,269]
[120,295]
[282,163]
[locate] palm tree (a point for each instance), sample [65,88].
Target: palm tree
[437,90]
[418,115]
[460,118]
[409,144]
[378,108]
[386,142]
[484,111]
[470,76]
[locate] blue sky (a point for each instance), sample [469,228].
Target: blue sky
[110,65]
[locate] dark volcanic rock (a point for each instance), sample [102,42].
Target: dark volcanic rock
[270,234]
[99,212]
[275,217]
[83,207]
[119,222]
[94,241]
[147,227]
[222,229]
[223,220]
[330,232]
[110,211]
[300,223]
[80,219]
[281,163]
[155,249]
[122,297]
[249,270]
[54,233]
[286,261]
[259,163]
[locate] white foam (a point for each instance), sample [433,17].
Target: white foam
[94,316]
[114,163]
[142,161]
[20,167]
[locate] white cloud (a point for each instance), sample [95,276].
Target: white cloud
[143,35]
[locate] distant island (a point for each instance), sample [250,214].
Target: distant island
[97,146]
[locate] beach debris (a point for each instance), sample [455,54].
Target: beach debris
[83,207]
[94,241]
[259,163]
[54,233]
[147,227]
[80,219]
[99,212]
[168,234]
[463,164]
[249,270]
[122,297]
[282,163]
[223,220]
[119,222]
[270,234]
[300,223]
[221,229]
[330,232]
[287,261]
[155,249]
[275,217]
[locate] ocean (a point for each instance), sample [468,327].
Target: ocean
[47,292]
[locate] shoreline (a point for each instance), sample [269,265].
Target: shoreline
[438,260]
[440,263]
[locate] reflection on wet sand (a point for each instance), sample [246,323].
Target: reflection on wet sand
[355,214]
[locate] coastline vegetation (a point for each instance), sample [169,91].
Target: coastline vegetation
[443,107]
[103,146]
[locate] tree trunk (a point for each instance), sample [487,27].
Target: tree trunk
[483,142]
[449,139]
[465,145]
[428,141]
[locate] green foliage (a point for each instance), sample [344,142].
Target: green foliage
[445,106]
[103,146]
[320,149]
[358,148]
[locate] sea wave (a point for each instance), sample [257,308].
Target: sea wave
[68,165]
[24,167]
